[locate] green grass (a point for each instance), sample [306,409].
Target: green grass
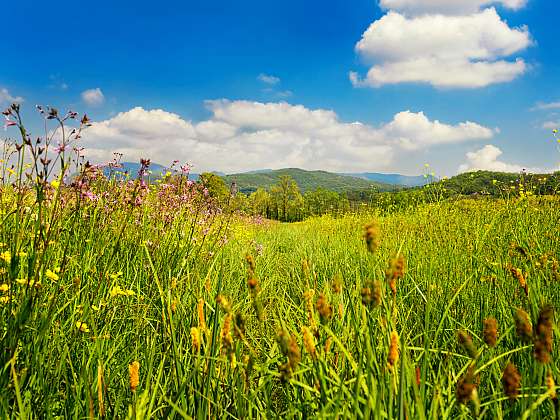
[67,345]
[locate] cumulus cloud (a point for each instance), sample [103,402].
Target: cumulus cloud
[93,97]
[487,159]
[268,79]
[245,135]
[459,51]
[7,98]
[551,125]
[546,106]
[448,7]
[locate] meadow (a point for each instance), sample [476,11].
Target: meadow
[124,299]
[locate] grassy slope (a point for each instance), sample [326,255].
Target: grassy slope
[456,276]
[306,180]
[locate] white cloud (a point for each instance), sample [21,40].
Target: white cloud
[244,135]
[93,97]
[545,106]
[268,79]
[551,125]
[7,98]
[445,51]
[486,159]
[447,7]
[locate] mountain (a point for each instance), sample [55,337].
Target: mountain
[307,180]
[131,168]
[394,179]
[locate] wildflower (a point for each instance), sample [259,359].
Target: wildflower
[30,283]
[523,325]
[56,184]
[82,326]
[466,342]
[4,287]
[115,276]
[543,335]
[371,236]
[393,350]
[134,375]
[490,331]
[51,275]
[118,291]
[466,386]
[6,256]
[196,339]
[4,299]
[309,342]
[511,381]
[324,308]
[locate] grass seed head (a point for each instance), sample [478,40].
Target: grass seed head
[324,308]
[393,355]
[511,380]
[466,342]
[523,326]
[490,331]
[551,386]
[544,334]
[309,342]
[134,375]
[371,236]
[196,339]
[466,386]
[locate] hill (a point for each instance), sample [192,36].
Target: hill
[306,180]
[392,179]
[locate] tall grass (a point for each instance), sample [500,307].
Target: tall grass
[123,299]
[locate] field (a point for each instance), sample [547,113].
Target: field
[120,299]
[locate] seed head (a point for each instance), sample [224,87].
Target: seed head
[309,342]
[395,272]
[466,342]
[134,375]
[201,319]
[551,386]
[196,339]
[490,331]
[523,326]
[544,334]
[371,235]
[393,355]
[466,386]
[324,308]
[511,381]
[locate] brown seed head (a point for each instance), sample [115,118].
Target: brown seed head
[309,342]
[324,308]
[371,235]
[511,381]
[544,335]
[466,386]
[490,331]
[523,326]
[466,342]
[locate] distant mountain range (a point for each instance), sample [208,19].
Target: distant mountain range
[250,181]
[393,179]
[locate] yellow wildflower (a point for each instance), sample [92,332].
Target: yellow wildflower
[6,256]
[4,287]
[118,291]
[51,275]
[4,299]
[82,326]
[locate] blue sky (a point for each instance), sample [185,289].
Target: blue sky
[277,74]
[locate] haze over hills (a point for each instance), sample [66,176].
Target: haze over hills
[393,179]
[307,180]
